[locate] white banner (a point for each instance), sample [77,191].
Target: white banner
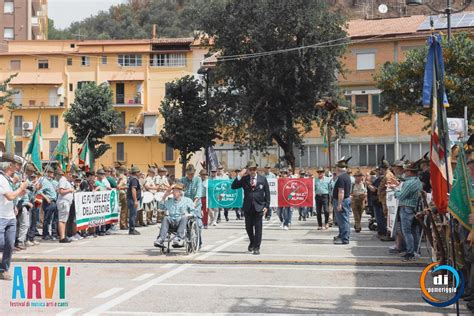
[392,206]
[273,184]
[96,208]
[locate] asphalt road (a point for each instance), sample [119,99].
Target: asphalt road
[298,271]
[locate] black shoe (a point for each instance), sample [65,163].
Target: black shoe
[226,219]
[408,258]
[304,219]
[101,234]
[48,237]
[299,218]
[256,251]
[134,232]
[250,247]
[64,241]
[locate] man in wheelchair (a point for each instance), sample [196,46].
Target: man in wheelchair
[178,210]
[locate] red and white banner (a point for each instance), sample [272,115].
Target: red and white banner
[297,192]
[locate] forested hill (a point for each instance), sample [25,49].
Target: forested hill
[174,18]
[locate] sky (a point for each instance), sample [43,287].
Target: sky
[64,12]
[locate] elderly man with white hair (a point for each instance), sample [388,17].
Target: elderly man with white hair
[8,194]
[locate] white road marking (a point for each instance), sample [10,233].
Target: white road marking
[53,250]
[314,256]
[69,311]
[168,265]
[315,287]
[143,277]
[108,293]
[205,248]
[141,288]
[220,241]
[305,268]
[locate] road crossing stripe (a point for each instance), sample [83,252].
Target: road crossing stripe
[108,293]
[143,277]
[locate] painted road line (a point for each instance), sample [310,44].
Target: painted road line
[302,287]
[68,312]
[143,277]
[108,293]
[314,256]
[220,241]
[141,288]
[53,250]
[304,268]
[208,247]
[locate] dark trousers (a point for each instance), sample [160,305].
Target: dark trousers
[132,215]
[381,220]
[33,222]
[322,206]
[50,218]
[253,225]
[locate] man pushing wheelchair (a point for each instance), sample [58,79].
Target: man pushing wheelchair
[179,210]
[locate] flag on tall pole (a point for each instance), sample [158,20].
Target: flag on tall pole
[85,156]
[34,150]
[434,95]
[461,195]
[62,152]
[40,136]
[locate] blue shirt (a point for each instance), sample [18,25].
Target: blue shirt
[321,186]
[48,189]
[409,194]
[192,188]
[177,209]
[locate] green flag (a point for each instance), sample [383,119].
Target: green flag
[61,152]
[29,151]
[9,141]
[35,152]
[461,194]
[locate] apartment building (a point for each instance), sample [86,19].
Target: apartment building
[23,20]
[49,72]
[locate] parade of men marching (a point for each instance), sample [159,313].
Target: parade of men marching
[236,157]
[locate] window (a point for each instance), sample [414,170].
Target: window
[18,125]
[85,61]
[52,147]
[365,61]
[376,108]
[43,64]
[72,45]
[362,103]
[169,153]
[69,61]
[54,121]
[104,60]
[130,60]
[8,33]
[168,60]
[15,64]
[150,125]
[19,148]
[8,7]
[71,87]
[414,151]
[120,152]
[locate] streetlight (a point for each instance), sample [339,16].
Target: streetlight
[205,71]
[448,10]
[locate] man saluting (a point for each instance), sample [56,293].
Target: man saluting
[256,203]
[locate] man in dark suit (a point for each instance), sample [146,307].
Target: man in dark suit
[256,203]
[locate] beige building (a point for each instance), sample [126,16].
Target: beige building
[23,20]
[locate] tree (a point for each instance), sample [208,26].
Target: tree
[57,34]
[189,122]
[402,83]
[7,93]
[271,98]
[92,112]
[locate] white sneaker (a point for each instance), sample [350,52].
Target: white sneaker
[35,243]
[29,243]
[78,237]
[281,226]
[214,224]
[285,227]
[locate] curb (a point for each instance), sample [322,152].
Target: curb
[393,263]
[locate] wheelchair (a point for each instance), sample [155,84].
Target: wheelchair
[191,241]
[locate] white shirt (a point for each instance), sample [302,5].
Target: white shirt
[64,184]
[106,183]
[7,210]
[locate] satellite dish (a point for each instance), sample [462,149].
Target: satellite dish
[383,8]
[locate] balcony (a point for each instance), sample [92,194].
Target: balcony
[35,21]
[127,100]
[131,130]
[34,103]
